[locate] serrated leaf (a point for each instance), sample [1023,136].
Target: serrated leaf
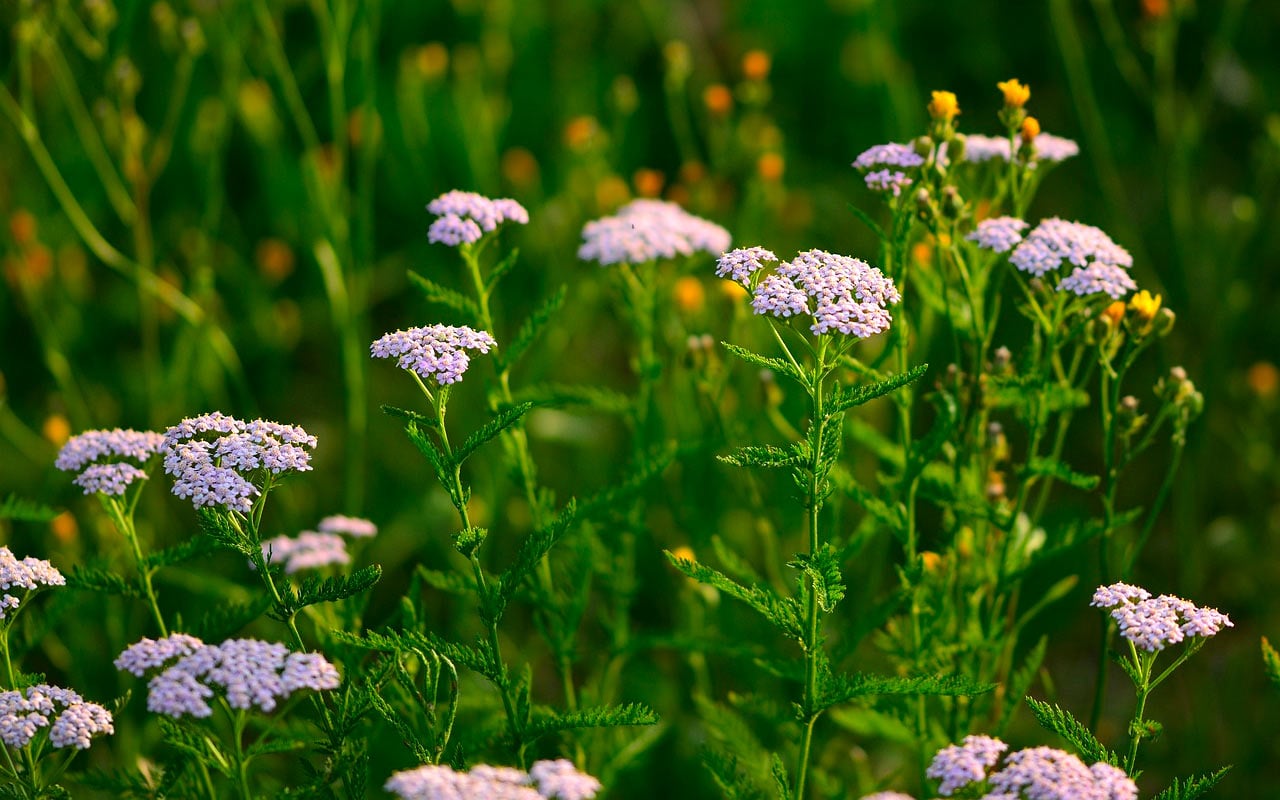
[23,510]
[435,293]
[776,364]
[838,689]
[412,643]
[780,778]
[532,328]
[196,547]
[1061,722]
[767,456]
[94,579]
[315,590]
[505,419]
[397,720]
[1193,787]
[409,416]
[1026,394]
[533,549]
[844,398]
[272,746]
[451,582]
[732,780]
[823,570]
[216,526]
[1058,470]
[782,612]
[1271,663]
[597,717]
[224,619]
[501,269]
[650,467]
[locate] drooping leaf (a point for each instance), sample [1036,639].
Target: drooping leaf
[532,328]
[823,569]
[845,398]
[782,612]
[23,510]
[1061,722]
[443,295]
[778,365]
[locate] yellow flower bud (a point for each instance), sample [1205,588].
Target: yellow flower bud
[1144,306]
[1115,312]
[944,106]
[1016,94]
[1030,130]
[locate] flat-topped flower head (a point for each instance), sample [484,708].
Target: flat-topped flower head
[1045,147]
[888,796]
[249,673]
[434,352]
[438,782]
[887,181]
[648,230]
[889,154]
[842,294]
[1098,278]
[354,527]
[71,721]
[962,764]
[218,460]
[1154,623]
[484,214]
[1037,773]
[1056,242]
[740,264]
[308,550]
[109,461]
[20,578]
[146,654]
[1000,234]
[560,780]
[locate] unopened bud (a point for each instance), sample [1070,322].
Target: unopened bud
[1001,359]
[1163,322]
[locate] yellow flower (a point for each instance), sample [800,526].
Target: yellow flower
[684,553]
[689,294]
[1144,306]
[944,106]
[931,560]
[1030,129]
[755,65]
[1115,312]
[718,99]
[1016,94]
[56,429]
[770,167]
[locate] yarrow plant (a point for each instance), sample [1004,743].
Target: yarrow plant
[545,780]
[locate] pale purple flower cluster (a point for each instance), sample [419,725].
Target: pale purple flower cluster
[1099,262]
[463,217]
[1037,773]
[891,154]
[309,550]
[739,265]
[145,655]
[87,451]
[210,454]
[249,672]
[355,527]
[436,352]
[849,295]
[962,764]
[1154,623]
[888,796]
[546,780]
[886,180]
[647,230]
[1044,773]
[979,149]
[1098,278]
[75,722]
[1000,234]
[29,574]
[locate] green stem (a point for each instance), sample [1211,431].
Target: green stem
[124,523]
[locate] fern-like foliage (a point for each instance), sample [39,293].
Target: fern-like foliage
[22,510]
[1193,787]
[217,527]
[783,612]
[767,456]
[102,581]
[1060,471]
[501,269]
[730,776]
[844,398]
[532,328]
[755,359]
[315,590]
[1061,722]
[491,429]
[597,398]
[544,722]
[1020,684]
[442,295]
[191,549]
[823,568]
[532,550]
[1271,662]
[837,689]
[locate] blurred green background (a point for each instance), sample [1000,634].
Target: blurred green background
[202,215]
